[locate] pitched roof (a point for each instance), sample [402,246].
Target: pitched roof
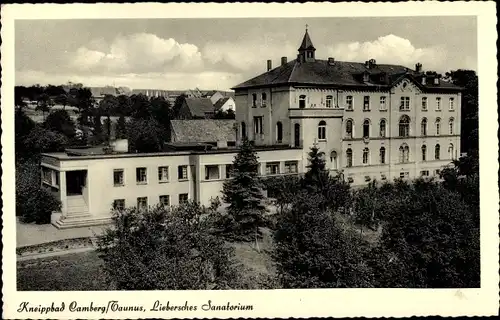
[221,102]
[199,106]
[338,74]
[306,42]
[102,91]
[204,131]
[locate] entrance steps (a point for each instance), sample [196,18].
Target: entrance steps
[77,215]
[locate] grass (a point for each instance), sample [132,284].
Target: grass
[75,272]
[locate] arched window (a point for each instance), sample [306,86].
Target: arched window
[451,151]
[297,135]
[450,125]
[404,126]
[349,129]
[382,155]
[243,130]
[437,152]
[366,128]
[322,130]
[423,127]
[366,154]
[329,101]
[438,126]
[424,153]
[279,131]
[333,159]
[404,153]
[349,157]
[302,101]
[383,130]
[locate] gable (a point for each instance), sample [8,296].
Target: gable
[405,85]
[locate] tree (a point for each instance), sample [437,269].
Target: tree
[33,202]
[98,135]
[140,107]
[283,189]
[107,106]
[313,251]
[179,101]
[82,99]
[19,95]
[243,193]
[160,111]
[144,136]
[221,114]
[44,103]
[121,128]
[124,106]
[22,126]
[61,99]
[165,249]
[429,239]
[41,140]
[60,121]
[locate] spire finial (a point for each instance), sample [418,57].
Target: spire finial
[307,26]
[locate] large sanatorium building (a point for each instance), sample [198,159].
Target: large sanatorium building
[372,121]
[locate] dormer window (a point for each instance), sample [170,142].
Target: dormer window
[436,80]
[366,77]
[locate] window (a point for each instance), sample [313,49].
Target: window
[182,173]
[349,157]
[119,204]
[212,172]
[404,126]
[348,129]
[383,130]
[382,155]
[254,100]
[450,125]
[279,132]
[438,126]
[333,159]
[229,170]
[165,200]
[141,175]
[142,203]
[366,153]
[423,127]
[258,125]
[404,175]
[383,105]
[47,175]
[366,103]
[366,128]
[438,103]
[424,173]
[451,151]
[437,172]
[264,99]
[404,153]
[349,102]
[183,198]
[452,104]
[405,104]
[162,174]
[424,103]
[118,177]
[243,130]
[56,177]
[322,130]
[424,153]
[329,101]
[437,152]
[291,166]
[302,101]
[272,168]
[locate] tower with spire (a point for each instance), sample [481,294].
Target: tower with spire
[306,49]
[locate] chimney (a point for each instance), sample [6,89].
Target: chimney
[269,65]
[418,67]
[367,64]
[372,63]
[424,80]
[283,61]
[331,61]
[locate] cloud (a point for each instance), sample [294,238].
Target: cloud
[390,49]
[138,53]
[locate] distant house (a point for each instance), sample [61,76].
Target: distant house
[196,108]
[219,132]
[214,96]
[225,104]
[100,92]
[150,93]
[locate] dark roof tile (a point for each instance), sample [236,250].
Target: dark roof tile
[199,106]
[205,131]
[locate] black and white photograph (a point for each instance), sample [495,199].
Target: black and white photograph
[236,162]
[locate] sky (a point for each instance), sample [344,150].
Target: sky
[221,53]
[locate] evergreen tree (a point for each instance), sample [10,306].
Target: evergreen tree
[316,178]
[243,193]
[98,134]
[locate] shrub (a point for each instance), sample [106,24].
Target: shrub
[166,249]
